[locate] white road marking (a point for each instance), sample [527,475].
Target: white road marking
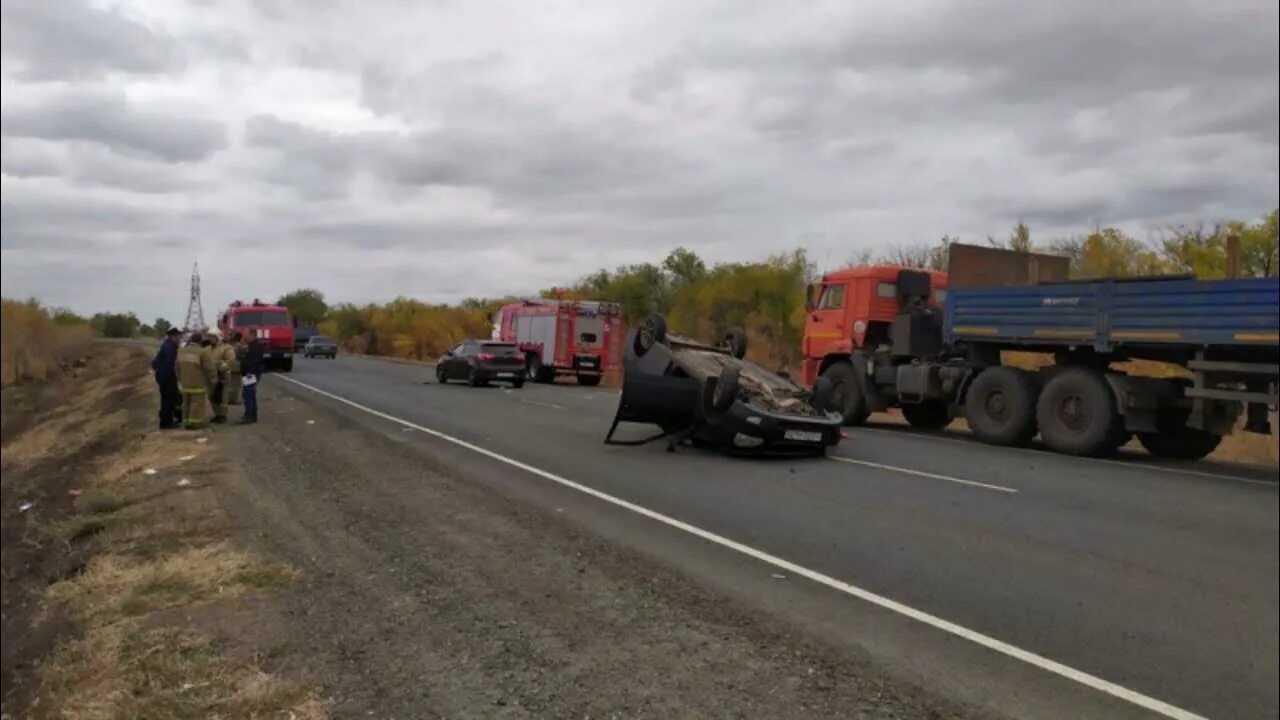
[921,473]
[543,404]
[986,641]
[1130,464]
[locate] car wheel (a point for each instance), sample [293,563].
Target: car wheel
[735,341]
[725,390]
[652,331]
[1000,406]
[472,379]
[440,376]
[517,384]
[1077,413]
[846,395]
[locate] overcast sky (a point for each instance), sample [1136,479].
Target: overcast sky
[473,148]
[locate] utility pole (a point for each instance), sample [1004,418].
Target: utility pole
[195,310]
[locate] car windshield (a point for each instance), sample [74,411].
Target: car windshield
[260,319]
[321,340]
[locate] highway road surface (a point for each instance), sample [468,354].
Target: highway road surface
[1023,582]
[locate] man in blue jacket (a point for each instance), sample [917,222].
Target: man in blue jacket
[165,367]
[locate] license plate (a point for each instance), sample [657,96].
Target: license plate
[803,435]
[504,374]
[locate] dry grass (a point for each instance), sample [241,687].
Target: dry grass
[131,671]
[153,554]
[33,347]
[118,586]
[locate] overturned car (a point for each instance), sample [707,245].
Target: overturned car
[709,395]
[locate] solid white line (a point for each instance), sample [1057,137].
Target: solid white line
[921,473]
[1129,464]
[542,404]
[1057,668]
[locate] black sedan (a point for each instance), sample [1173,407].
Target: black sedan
[710,395]
[480,362]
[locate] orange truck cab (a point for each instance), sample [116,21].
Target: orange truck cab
[854,309]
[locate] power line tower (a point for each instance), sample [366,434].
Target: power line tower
[195,310]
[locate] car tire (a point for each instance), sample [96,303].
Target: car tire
[652,330]
[736,342]
[517,384]
[1077,413]
[472,379]
[1000,406]
[724,391]
[846,395]
[928,415]
[440,376]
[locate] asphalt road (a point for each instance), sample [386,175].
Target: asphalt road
[1027,583]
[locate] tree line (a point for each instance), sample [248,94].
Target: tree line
[766,297]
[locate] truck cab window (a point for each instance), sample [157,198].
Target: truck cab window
[832,298]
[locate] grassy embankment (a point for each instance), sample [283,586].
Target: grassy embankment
[124,594]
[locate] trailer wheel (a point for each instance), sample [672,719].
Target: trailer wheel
[1077,413]
[927,415]
[1000,406]
[1180,443]
[736,342]
[846,396]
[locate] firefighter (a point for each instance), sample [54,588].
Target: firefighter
[215,373]
[191,378]
[233,352]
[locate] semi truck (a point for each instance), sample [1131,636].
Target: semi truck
[563,337]
[274,326]
[941,346]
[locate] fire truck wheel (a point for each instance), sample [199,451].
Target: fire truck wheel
[736,341]
[589,380]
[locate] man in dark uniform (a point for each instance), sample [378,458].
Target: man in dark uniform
[251,366]
[165,367]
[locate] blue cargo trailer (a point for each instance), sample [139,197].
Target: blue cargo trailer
[1222,336]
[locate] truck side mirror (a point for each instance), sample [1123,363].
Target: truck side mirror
[808,298]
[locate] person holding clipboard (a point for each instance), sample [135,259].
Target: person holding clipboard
[250,373]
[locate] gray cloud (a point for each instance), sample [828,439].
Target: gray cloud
[109,119]
[69,39]
[418,148]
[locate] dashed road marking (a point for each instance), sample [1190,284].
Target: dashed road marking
[921,473]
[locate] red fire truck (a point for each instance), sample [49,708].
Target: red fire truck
[274,326]
[563,337]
